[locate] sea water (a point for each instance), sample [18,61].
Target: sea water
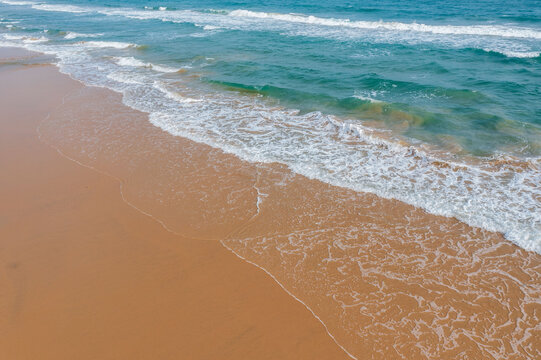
[434,103]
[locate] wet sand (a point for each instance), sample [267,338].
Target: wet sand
[388,280]
[83,275]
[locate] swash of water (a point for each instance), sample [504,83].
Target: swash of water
[437,104]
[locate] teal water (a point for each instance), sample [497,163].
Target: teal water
[373,96]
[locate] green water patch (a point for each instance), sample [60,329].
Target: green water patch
[464,129]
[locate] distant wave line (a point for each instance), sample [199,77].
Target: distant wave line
[184,16]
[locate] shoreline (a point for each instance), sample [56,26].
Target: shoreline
[83,285]
[394,168]
[273,226]
[179,234]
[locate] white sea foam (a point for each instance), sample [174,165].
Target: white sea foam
[35,39]
[160,8]
[367,96]
[130,61]
[74,35]
[518,54]
[210,27]
[124,78]
[174,95]
[13,37]
[26,39]
[18,3]
[482,30]
[133,62]
[164,69]
[108,44]
[60,8]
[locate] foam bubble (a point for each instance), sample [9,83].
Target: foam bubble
[517,54]
[122,77]
[13,37]
[367,96]
[210,27]
[17,3]
[35,40]
[130,61]
[173,94]
[133,62]
[73,35]
[26,39]
[164,69]
[60,8]
[107,44]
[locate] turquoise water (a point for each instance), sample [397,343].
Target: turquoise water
[373,96]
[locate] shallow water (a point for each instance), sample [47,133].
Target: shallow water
[434,104]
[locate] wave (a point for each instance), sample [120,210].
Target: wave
[36,40]
[480,30]
[211,27]
[108,44]
[19,3]
[74,35]
[130,61]
[48,7]
[174,95]
[26,39]
[60,8]
[497,38]
[180,15]
[133,62]
[367,96]
[516,54]
[159,8]
[502,39]
[13,37]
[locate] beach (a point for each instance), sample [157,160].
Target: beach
[121,240]
[85,275]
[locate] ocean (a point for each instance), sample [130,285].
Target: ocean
[433,103]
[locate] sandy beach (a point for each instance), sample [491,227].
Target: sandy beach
[119,240]
[86,276]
